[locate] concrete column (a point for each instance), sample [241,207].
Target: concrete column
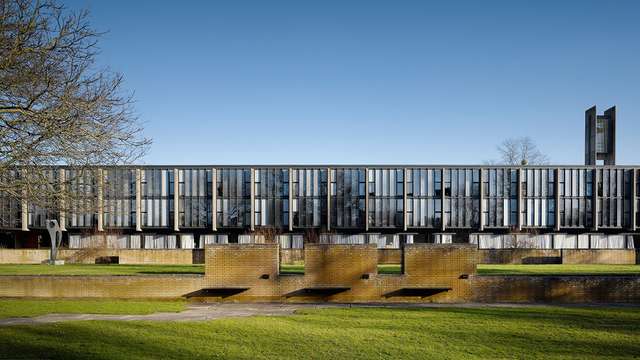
[214,200]
[176,200]
[24,205]
[100,203]
[634,202]
[138,200]
[556,193]
[443,221]
[481,197]
[519,217]
[594,199]
[329,178]
[366,199]
[63,198]
[404,200]
[253,194]
[290,199]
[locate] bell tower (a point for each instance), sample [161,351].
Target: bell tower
[600,137]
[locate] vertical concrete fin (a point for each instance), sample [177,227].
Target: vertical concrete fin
[290,199]
[366,199]
[404,199]
[63,199]
[634,202]
[443,220]
[252,191]
[556,193]
[481,204]
[176,200]
[590,136]
[214,200]
[594,196]
[24,203]
[329,179]
[100,203]
[519,192]
[610,114]
[138,200]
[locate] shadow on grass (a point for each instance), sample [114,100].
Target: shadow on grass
[169,272]
[345,333]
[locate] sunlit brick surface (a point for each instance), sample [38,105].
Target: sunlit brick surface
[600,256]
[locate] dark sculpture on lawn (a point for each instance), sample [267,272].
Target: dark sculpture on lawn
[56,239]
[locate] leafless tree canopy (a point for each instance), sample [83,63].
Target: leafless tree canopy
[56,106]
[520,151]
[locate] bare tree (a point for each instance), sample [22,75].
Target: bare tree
[57,107]
[519,151]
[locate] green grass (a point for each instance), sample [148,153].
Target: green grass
[558,269]
[90,269]
[346,333]
[29,308]
[298,268]
[390,269]
[500,269]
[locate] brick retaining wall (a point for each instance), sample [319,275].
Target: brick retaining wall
[556,289]
[123,287]
[89,256]
[519,256]
[389,256]
[600,256]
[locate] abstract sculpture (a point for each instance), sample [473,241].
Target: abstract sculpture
[56,240]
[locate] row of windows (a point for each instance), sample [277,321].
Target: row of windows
[356,196]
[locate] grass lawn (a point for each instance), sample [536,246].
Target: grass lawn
[500,269]
[346,333]
[29,308]
[557,269]
[91,269]
[298,268]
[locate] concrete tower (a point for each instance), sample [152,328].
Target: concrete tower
[600,137]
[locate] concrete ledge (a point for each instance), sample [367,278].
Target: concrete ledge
[291,256]
[121,287]
[519,256]
[483,289]
[89,256]
[389,256]
[556,289]
[599,256]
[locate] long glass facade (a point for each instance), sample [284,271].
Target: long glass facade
[194,199]
[233,197]
[347,197]
[538,193]
[378,198]
[38,214]
[157,186]
[424,197]
[309,195]
[271,197]
[500,201]
[82,209]
[576,196]
[119,193]
[10,204]
[462,198]
[614,203]
[386,191]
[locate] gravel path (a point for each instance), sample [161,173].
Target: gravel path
[204,312]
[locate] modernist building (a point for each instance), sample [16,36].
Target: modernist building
[190,206]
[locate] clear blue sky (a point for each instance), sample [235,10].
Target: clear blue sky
[223,82]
